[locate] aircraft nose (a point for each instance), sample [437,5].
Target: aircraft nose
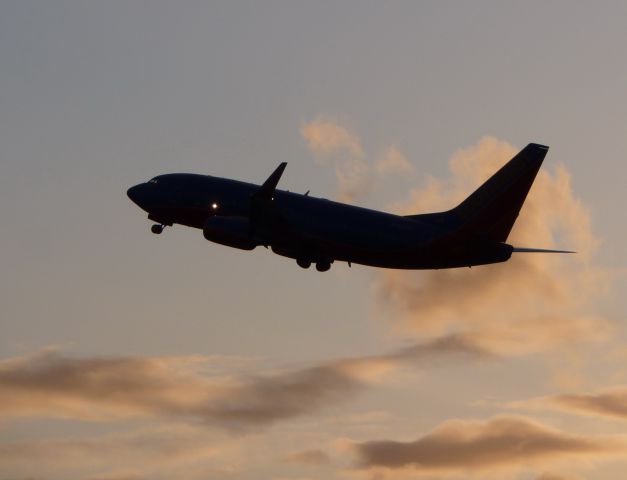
[135,193]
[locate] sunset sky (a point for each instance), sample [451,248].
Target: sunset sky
[130,356]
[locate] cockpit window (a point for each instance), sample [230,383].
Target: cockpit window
[153,180]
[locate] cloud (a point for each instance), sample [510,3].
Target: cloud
[119,476]
[123,455]
[49,383]
[268,399]
[334,143]
[609,402]
[557,476]
[150,446]
[393,161]
[326,136]
[442,347]
[530,303]
[330,141]
[314,457]
[195,404]
[98,387]
[501,441]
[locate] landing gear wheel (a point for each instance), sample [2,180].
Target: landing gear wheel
[156,229]
[323,266]
[303,262]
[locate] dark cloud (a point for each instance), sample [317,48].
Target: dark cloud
[268,399]
[94,388]
[446,348]
[500,441]
[50,383]
[98,388]
[611,402]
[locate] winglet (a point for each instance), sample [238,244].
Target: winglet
[266,190]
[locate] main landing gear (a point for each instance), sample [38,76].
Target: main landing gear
[321,266]
[157,228]
[303,263]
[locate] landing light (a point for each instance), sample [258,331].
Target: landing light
[214,206]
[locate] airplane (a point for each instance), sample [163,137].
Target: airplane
[319,231]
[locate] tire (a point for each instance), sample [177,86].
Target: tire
[303,262]
[323,266]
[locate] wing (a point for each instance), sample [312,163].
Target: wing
[264,216]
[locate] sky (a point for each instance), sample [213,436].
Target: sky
[130,356]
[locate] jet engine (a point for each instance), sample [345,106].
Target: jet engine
[230,231]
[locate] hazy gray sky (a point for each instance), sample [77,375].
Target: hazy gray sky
[134,356]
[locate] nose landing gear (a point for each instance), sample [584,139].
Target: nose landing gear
[157,228]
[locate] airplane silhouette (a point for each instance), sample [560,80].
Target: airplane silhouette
[319,231]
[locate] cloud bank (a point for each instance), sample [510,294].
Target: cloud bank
[501,441]
[49,383]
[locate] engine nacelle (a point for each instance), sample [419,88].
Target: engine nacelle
[230,231]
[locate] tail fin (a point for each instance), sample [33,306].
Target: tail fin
[492,209]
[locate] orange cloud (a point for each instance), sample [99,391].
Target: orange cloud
[392,160]
[530,303]
[501,441]
[609,402]
[51,384]
[129,455]
[314,457]
[96,388]
[328,140]
[557,476]
[333,143]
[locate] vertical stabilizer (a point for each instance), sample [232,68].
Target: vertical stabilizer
[492,209]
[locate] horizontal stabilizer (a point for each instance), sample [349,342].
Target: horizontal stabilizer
[538,250]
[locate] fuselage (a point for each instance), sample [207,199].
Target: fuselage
[309,228]
[315,230]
